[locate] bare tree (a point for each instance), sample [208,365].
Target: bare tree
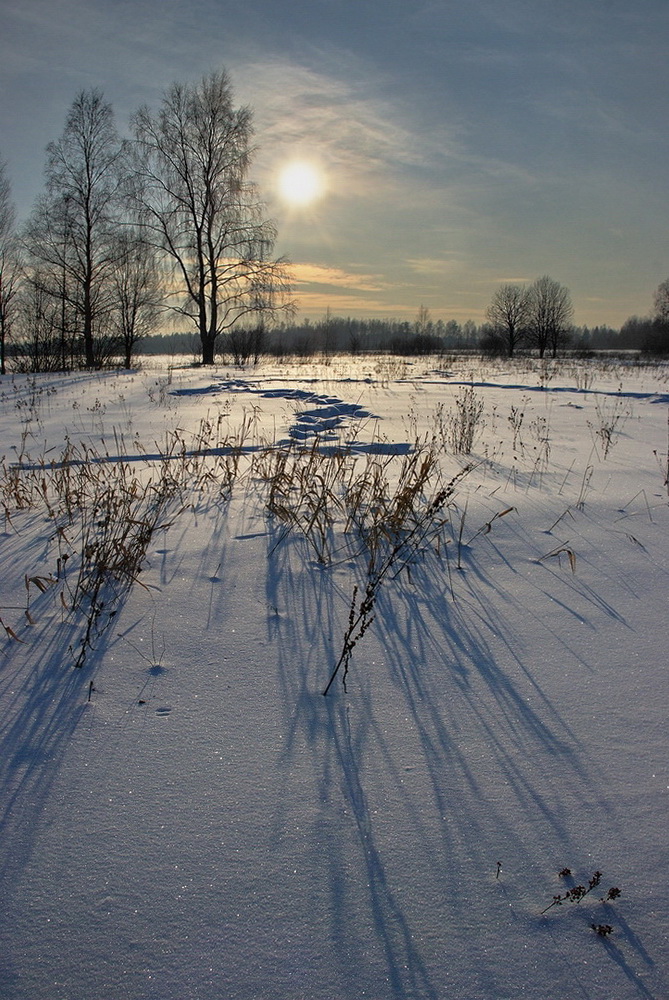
[550,315]
[661,301]
[247,344]
[198,207]
[9,263]
[37,338]
[509,313]
[423,325]
[656,339]
[71,234]
[137,292]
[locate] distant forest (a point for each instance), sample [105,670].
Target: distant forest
[340,334]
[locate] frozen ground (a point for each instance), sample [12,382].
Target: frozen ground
[184,815]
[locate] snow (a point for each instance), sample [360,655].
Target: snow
[186,816]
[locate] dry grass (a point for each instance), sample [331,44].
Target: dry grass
[561,550]
[343,502]
[611,418]
[424,523]
[377,510]
[461,426]
[103,509]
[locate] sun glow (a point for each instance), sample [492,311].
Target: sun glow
[301,183]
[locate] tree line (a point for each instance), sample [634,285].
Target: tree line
[333,334]
[540,317]
[129,228]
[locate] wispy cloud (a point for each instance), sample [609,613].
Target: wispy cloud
[434,266]
[461,142]
[344,304]
[359,138]
[315,274]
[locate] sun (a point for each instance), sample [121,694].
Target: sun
[301,183]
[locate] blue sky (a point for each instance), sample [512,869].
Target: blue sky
[464,143]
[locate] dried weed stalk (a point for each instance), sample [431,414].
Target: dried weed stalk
[400,541]
[105,509]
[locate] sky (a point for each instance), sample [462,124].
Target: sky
[460,144]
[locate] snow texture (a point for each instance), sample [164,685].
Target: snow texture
[186,816]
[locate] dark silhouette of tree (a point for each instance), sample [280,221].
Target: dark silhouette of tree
[509,314]
[197,206]
[423,325]
[137,292]
[633,333]
[37,343]
[550,315]
[656,340]
[661,301]
[10,263]
[71,236]
[247,344]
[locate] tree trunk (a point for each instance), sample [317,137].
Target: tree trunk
[208,344]
[88,326]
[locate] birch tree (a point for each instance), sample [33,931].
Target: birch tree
[509,313]
[197,206]
[137,293]
[71,236]
[550,315]
[9,263]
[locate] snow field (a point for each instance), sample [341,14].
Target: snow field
[208,825]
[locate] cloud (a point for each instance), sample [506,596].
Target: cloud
[343,304]
[434,266]
[356,137]
[320,287]
[316,274]
[459,141]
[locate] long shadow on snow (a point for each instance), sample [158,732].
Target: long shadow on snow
[44,703]
[445,657]
[467,642]
[412,648]
[407,971]
[467,636]
[337,752]
[325,445]
[462,678]
[649,397]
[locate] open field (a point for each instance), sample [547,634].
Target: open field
[476,556]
